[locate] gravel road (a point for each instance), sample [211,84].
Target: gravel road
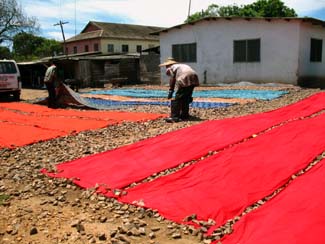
[38,209]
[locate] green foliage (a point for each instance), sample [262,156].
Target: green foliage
[260,8]
[49,47]
[270,8]
[211,11]
[26,46]
[5,53]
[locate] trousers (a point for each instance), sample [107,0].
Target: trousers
[181,104]
[52,95]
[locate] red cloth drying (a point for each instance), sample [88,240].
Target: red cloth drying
[45,123]
[67,125]
[296,215]
[123,166]
[222,186]
[98,115]
[14,135]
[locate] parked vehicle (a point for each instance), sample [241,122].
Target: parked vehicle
[10,82]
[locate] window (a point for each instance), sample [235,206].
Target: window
[184,52]
[316,46]
[86,48]
[139,48]
[96,47]
[66,50]
[247,51]
[125,48]
[110,48]
[7,68]
[75,50]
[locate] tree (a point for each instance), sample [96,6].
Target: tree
[212,10]
[13,20]
[260,8]
[269,8]
[228,11]
[5,53]
[48,47]
[27,46]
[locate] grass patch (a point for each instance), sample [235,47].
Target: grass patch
[3,198]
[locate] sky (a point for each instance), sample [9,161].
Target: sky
[162,13]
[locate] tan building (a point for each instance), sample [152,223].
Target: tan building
[109,38]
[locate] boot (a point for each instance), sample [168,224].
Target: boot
[175,112]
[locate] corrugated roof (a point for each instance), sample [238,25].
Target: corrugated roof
[306,19]
[118,31]
[61,57]
[108,57]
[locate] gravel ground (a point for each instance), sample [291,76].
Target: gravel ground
[38,209]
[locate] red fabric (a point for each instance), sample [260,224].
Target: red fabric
[98,115]
[28,118]
[14,135]
[222,186]
[123,166]
[296,215]
[26,107]
[67,125]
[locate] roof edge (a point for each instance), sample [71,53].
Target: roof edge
[304,19]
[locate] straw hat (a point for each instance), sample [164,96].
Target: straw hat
[169,61]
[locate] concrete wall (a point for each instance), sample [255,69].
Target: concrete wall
[81,45]
[214,38]
[149,69]
[132,44]
[311,74]
[102,45]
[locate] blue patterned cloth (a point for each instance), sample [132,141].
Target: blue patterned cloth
[246,94]
[110,104]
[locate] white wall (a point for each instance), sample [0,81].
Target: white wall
[307,68]
[214,38]
[131,43]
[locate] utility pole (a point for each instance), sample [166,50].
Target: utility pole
[75,17]
[61,25]
[189,9]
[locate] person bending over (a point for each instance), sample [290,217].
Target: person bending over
[184,79]
[49,81]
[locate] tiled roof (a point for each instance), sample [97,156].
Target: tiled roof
[118,31]
[86,35]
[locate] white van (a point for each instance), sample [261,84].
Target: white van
[10,83]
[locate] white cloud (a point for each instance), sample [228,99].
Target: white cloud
[56,35]
[164,13]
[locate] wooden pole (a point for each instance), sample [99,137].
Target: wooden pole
[61,25]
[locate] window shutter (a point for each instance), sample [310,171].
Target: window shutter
[240,51]
[184,52]
[316,49]
[253,50]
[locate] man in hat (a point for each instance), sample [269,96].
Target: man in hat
[49,81]
[184,78]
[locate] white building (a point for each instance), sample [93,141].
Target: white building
[261,50]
